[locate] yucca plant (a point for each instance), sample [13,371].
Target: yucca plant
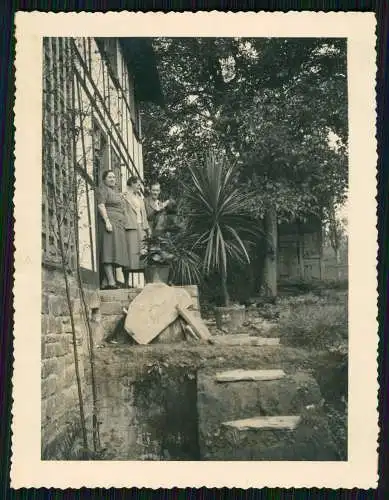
[219,218]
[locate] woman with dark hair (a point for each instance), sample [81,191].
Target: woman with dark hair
[113,244]
[137,226]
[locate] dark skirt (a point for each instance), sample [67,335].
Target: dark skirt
[113,246]
[134,239]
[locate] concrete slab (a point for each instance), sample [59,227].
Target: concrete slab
[265,423]
[196,323]
[245,339]
[239,375]
[153,310]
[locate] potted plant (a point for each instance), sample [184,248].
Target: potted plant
[157,256]
[219,219]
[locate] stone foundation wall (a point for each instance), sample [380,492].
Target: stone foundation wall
[60,422]
[111,308]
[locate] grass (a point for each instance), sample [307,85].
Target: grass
[314,326]
[316,320]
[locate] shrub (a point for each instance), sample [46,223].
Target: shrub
[315,326]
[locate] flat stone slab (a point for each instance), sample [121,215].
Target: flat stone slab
[288,423]
[195,322]
[244,339]
[239,375]
[153,310]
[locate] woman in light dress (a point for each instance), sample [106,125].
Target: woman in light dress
[136,226]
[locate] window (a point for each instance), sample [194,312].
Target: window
[134,111]
[108,47]
[100,153]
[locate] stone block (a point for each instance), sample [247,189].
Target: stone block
[245,339]
[286,423]
[124,295]
[54,350]
[49,367]
[69,378]
[61,366]
[153,310]
[49,386]
[51,338]
[52,325]
[45,303]
[98,332]
[240,375]
[111,308]
[50,408]
[58,325]
[64,340]
[291,438]
[111,321]
[67,326]
[58,306]
[76,306]
[196,324]
[94,300]
[43,409]
[44,324]
[69,358]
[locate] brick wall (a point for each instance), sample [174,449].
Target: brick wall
[60,422]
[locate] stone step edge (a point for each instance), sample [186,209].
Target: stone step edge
[121,293]
[109,295]
[241,375]
[287,423]
[246,340]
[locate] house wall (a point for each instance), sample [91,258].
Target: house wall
[60,412]
[80,93]
[105,96]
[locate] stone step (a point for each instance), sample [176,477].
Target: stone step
[112,308]
[287,423]
[124,296]
[241,375]
[120,295]
[245,340]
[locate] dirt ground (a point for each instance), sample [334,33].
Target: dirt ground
[327,366]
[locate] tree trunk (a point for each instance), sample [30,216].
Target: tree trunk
[270,267]
[300,243]
[321,262]
[226,297]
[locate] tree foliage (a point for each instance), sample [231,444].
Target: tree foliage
[271,105]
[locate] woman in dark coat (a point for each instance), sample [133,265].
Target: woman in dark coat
[113,245]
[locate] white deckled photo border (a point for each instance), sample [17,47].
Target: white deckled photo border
[28,470]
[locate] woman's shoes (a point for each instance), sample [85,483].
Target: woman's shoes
[110,287]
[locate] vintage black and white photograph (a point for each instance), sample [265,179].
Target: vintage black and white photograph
[195,252]
[194,249]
